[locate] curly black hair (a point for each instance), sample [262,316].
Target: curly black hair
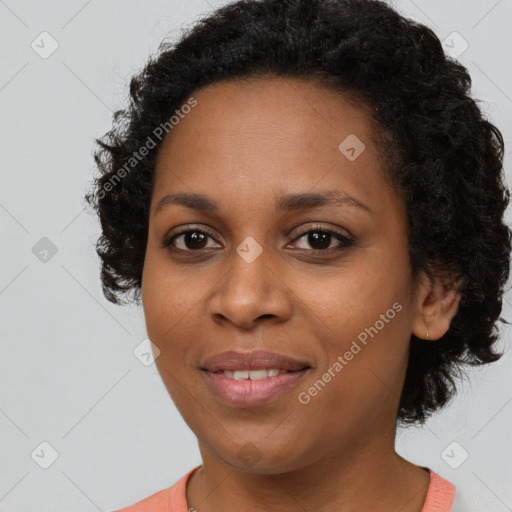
[444,157]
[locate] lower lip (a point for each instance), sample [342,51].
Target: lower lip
[249,393]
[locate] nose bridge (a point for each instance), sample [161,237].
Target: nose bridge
[251,269]
[249,250]
[251,288]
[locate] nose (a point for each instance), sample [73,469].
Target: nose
[251,292]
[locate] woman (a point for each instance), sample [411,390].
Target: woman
[309,206]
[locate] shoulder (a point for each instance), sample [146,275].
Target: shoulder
[440,494]
[171,499]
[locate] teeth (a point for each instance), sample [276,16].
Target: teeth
[252,374]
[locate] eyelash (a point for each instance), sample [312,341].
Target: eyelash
[345,241]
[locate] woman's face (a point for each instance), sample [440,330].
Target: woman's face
[258,273]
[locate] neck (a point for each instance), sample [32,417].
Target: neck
[365,474]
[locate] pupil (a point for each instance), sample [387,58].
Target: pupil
[314,238]
[193,238]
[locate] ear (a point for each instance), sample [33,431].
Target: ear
[436,305]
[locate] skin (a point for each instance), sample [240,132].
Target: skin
[246,144]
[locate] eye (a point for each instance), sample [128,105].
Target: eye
[195,240]
[321,238]
[191,240]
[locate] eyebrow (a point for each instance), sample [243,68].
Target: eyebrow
[288,202]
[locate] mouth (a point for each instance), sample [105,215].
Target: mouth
[236,361]
[252,379]
[253,374]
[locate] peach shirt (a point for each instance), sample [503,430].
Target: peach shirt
[173,499]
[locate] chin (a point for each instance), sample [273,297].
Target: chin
[261,458]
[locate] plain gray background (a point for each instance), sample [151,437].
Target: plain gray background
[69,376]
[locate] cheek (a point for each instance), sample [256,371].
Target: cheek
[173,303]
[360,383]
[360,296]
[163,308]
[167,297]
[376,329]
[168,312]
[367,318]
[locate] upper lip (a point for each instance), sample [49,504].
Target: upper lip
[255,360]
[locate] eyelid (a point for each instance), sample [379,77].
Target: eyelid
[344,236]
[185,229]
[328,229]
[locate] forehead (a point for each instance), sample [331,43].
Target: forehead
[254,138]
